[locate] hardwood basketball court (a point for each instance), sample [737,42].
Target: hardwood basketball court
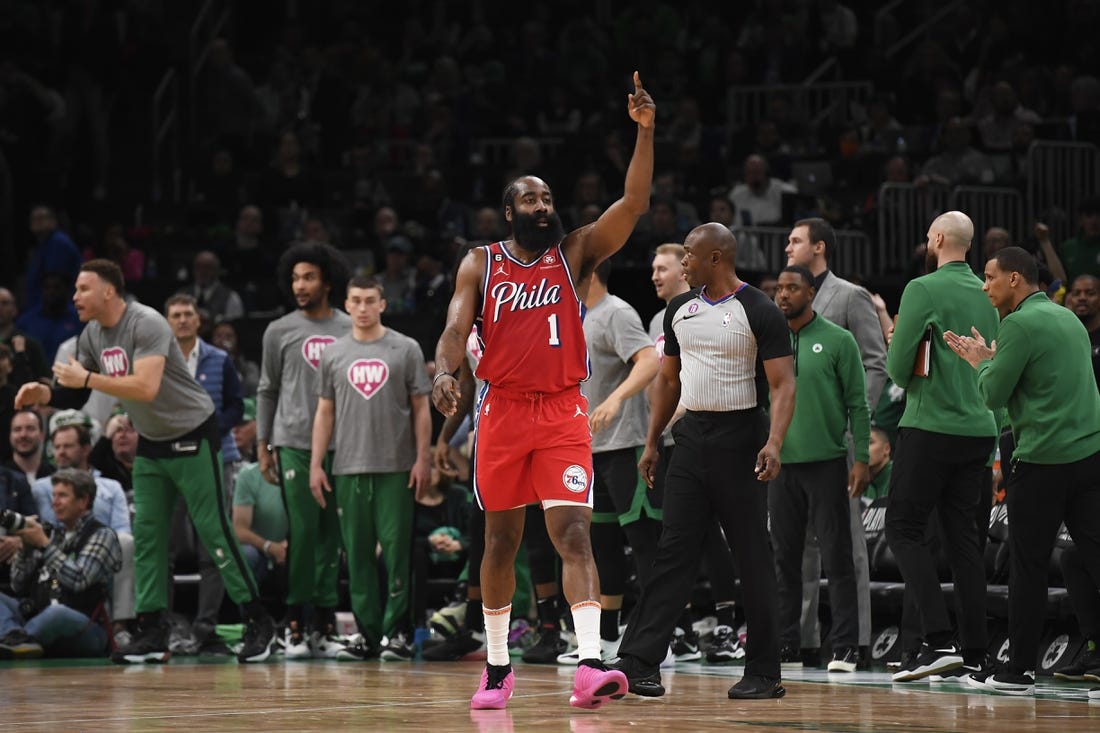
[382,696]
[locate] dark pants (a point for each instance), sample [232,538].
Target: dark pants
[1040,498]
[711,475]
[1084,592]
[617,512]
[941,473]
[815,494]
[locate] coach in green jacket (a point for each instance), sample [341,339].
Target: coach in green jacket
[1040,368]
[945,438]
[814,483]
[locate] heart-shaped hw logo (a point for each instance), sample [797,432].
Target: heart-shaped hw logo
[114,361]
[368,376]
[313,347]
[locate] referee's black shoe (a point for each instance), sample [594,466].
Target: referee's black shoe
[756,687]
[641,679]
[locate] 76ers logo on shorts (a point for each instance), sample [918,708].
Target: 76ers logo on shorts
[368,376]
[575,479]
[313,347]
[114,361]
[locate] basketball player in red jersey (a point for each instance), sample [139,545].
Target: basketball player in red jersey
[532,442]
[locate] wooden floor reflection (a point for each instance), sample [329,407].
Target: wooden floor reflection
[375,696]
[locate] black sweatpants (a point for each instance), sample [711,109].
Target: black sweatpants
[941,473]
[814,494]
[1040,498]
[711,474]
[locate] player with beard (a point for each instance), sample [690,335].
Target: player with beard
[286,401]
[945,438]
[532,442]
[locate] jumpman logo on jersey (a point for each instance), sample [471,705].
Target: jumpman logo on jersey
[501,270]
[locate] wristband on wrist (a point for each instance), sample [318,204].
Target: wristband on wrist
[87,376]
[441,374]
[267,546]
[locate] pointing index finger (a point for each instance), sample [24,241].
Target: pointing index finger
[637,82]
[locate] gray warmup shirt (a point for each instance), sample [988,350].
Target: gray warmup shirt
[286,399]
[181,404]
[371,383]
[657,334]
[614,334]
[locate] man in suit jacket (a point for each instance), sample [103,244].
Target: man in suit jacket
[849,306]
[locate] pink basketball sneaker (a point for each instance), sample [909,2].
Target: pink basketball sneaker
[495,689]
[594,684]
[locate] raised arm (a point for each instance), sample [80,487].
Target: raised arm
[450,351]
[594,243]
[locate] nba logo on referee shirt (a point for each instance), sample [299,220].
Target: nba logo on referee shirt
[575,479]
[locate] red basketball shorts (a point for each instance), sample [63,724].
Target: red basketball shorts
[532,447]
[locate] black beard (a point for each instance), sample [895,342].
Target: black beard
[792,315]
[531,237]
[931,262]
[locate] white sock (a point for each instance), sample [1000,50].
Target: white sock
[496,634]
[586,622]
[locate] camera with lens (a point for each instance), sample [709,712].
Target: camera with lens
[14,521]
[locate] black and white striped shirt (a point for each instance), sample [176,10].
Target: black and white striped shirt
[722,347]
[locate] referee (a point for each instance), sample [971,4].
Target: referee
[1040,368]
[127,351]
[725,344]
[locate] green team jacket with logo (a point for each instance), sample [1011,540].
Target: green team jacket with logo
[830,393]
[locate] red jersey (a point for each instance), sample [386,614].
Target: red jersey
[530,324]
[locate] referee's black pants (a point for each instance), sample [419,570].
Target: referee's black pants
[941,473]
[711,475]
[1040,498]
[814,494]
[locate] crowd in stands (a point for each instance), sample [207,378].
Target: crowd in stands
[391,142]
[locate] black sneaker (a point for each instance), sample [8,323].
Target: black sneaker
[790,658]
[18,644]
[259,635]
[1004,682]
[214,647]
[845,659]
[357,650]
[725,646]
[931,660]
[1087,666]
[755,687]
[685,645]
[465,644]
[398,649]
[149,644]
[547,648]
[640,680]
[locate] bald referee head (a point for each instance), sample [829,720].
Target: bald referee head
[710,256]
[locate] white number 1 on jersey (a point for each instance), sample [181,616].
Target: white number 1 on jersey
[555,340]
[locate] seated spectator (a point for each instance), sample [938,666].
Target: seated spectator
[114,453]
[244,433]
[213,297]
[1080,254]
[440,535]
[289,183]
[16,496]
[880,464]
[750,257]
[399,278]
[115,248]
[54,320]
[11,379]
[224,336]
[61,578]
[10,336]
[72,444]
[54,252]
[957,163]
[26,439]
[758,199]
[881,131]
[259,521]
[998,128]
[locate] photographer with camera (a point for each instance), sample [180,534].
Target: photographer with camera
[61,576]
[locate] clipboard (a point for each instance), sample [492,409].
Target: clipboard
[922,365]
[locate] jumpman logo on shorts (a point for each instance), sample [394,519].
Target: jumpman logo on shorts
[579,412]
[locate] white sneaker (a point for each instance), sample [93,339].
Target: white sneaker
[669,660]
[609,651]
[326,646]
[296,648]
